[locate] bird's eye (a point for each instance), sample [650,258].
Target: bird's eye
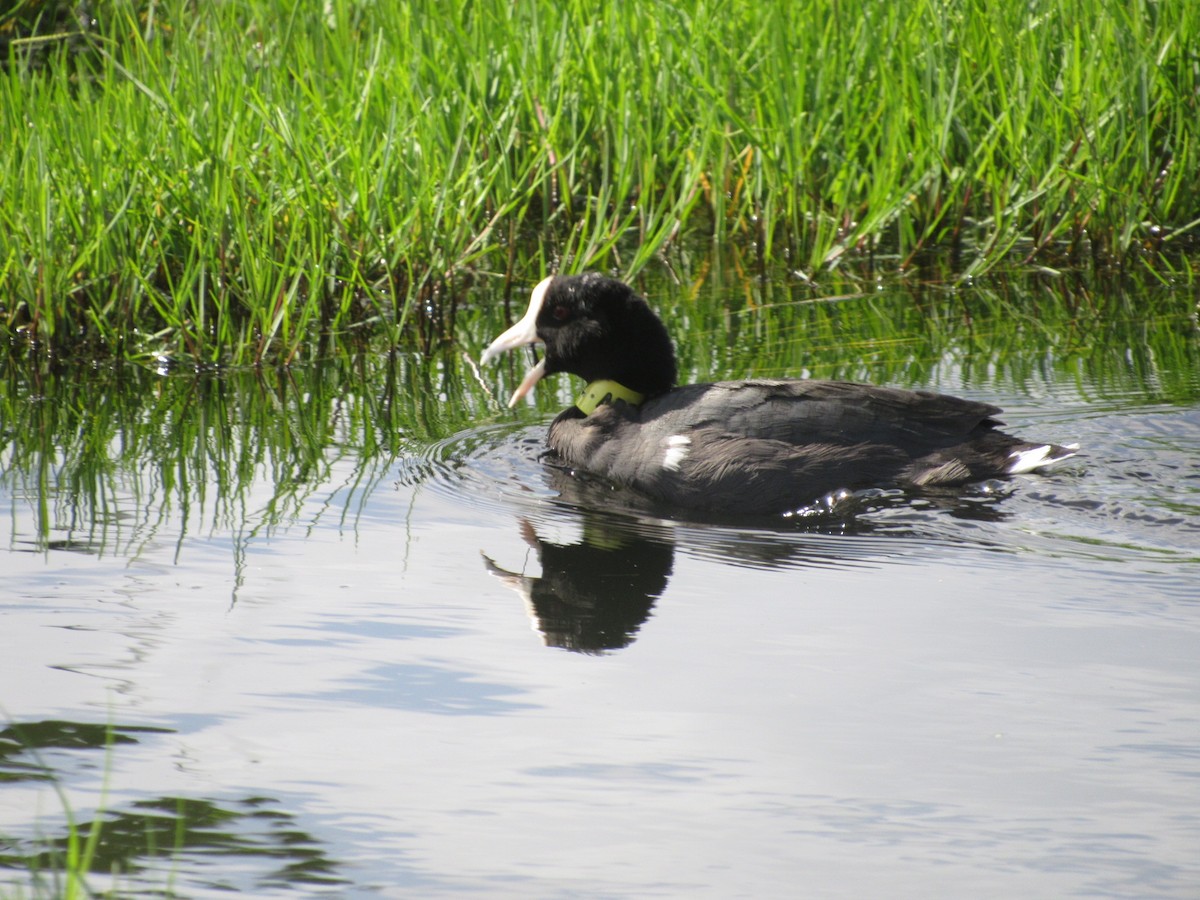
[560,313]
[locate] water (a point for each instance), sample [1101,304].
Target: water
[307,635]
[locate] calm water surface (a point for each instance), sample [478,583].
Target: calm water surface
[445,669]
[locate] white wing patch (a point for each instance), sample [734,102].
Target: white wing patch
[677,449]
[1036,458]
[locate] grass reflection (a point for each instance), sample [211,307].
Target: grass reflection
[103,459]
[145,844]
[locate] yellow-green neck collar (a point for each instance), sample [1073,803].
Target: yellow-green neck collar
[606,391]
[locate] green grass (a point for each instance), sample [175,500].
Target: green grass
[143,847]
[253,181]
[58,869]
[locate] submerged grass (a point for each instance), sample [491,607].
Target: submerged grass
[60,870]
[245,182]
[143,847]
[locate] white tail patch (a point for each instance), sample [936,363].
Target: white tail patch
[677,449]
[1037,458]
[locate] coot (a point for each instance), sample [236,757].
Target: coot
[762,446]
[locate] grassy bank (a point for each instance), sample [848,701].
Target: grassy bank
[234,182]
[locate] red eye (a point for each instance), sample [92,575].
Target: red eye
[560,313]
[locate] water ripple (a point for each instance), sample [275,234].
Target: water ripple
[1142,507]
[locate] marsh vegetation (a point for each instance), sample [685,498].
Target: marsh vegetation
[261,181]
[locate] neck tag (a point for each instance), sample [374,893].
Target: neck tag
[606,391]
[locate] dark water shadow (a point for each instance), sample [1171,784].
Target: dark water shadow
[148,839]
[248,832]
[22,744]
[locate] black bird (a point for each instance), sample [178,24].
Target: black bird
[754,447]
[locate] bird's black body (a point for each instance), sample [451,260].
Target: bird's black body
[744,447]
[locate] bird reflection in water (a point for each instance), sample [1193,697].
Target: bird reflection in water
[592,596]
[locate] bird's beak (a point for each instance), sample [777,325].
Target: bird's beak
[524,332]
